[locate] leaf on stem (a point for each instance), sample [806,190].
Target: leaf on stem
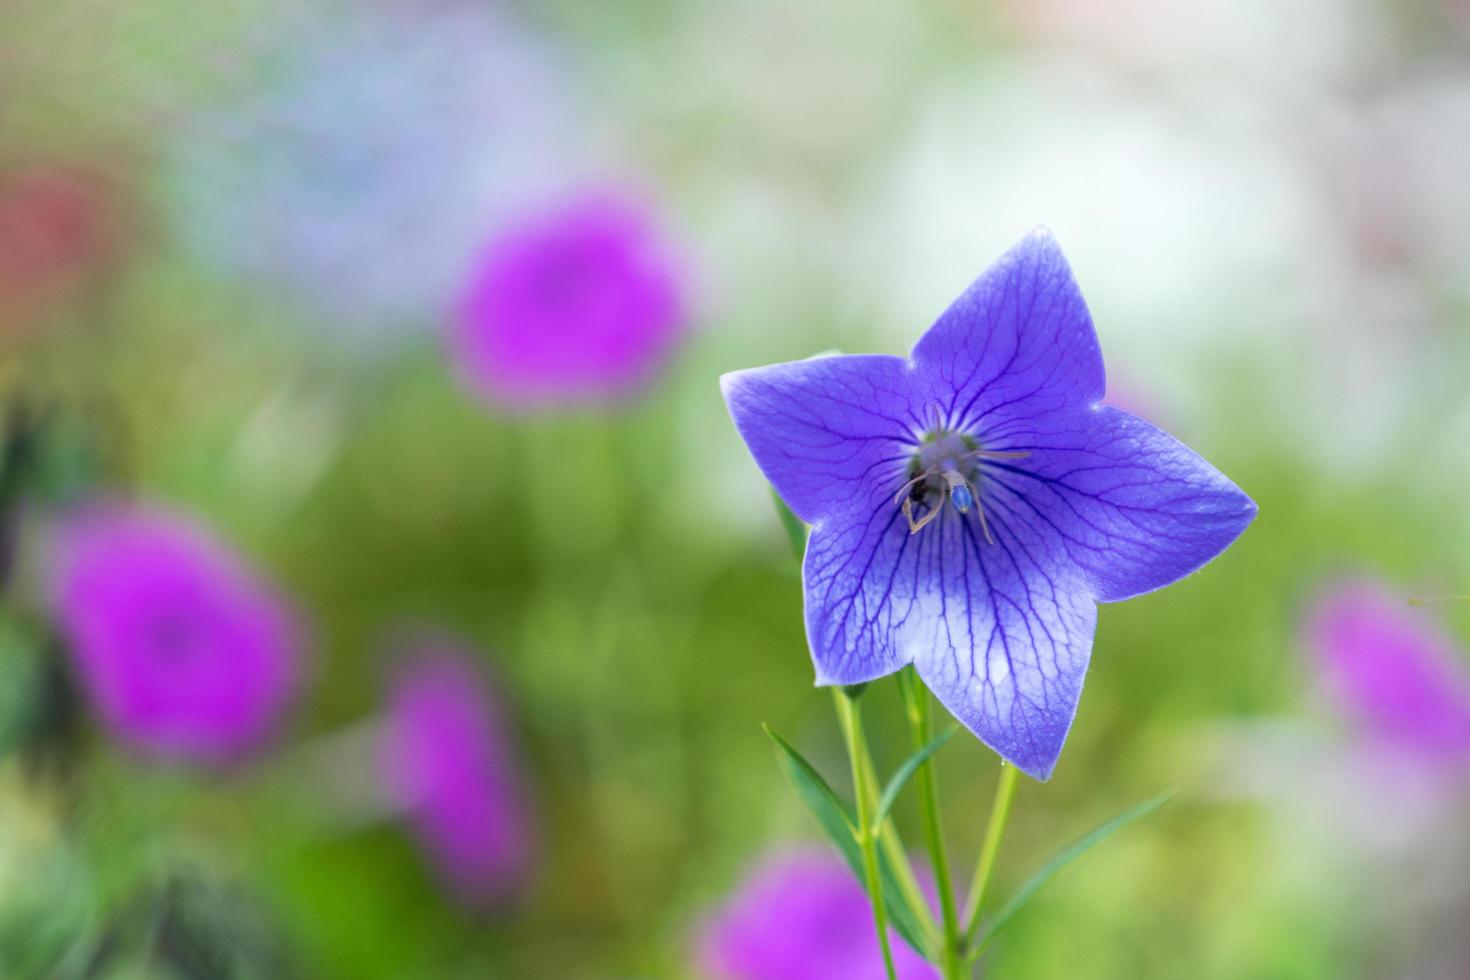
[1072,851]
[829,809]
[835,818]
[906,772]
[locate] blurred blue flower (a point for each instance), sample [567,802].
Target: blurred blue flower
[182,649]
[971,504]
[581,302]
[799,916]
[375,149]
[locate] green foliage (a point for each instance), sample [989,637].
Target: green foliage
[993,926]
[906,771]
[796,531]
[835,817]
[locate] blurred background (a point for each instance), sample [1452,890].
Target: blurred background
[384,336]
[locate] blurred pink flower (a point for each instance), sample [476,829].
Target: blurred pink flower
[447,760]
[581,302]
[182,650]
[1391,670]
[56,224]
[800,915]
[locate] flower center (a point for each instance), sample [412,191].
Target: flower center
[944,449]
[173,638]
[946,464]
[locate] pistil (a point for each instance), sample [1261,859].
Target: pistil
[948,464]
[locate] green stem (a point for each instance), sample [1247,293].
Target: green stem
[889,839]
[916,701]
[852,722]
[1000,812]
[898,863]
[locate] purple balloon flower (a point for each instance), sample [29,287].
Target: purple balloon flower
[800,916]
[446,760]
[581,302]
[1391,671]
[182,650]
[971,505]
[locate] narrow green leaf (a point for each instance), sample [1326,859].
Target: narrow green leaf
[835,818]
[905,773]
[795,529]
[1074,850]
[829,809]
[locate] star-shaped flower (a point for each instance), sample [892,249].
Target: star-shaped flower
[970,505]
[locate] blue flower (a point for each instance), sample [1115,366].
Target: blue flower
[361,129]
[970,505]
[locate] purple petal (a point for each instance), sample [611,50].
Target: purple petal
[1132,506]
[861,580]
[1105,506]
[829,432]
[1018,343]
[1001,633]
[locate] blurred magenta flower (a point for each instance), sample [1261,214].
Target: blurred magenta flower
[581,302]
[371,148]
[1392,671]
[971,504]
[56,225]
[447,760]
[184,652]
[801,915]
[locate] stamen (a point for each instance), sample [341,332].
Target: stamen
[908,512]
[997,454]
[984,527]
[946,464]
[909,485]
